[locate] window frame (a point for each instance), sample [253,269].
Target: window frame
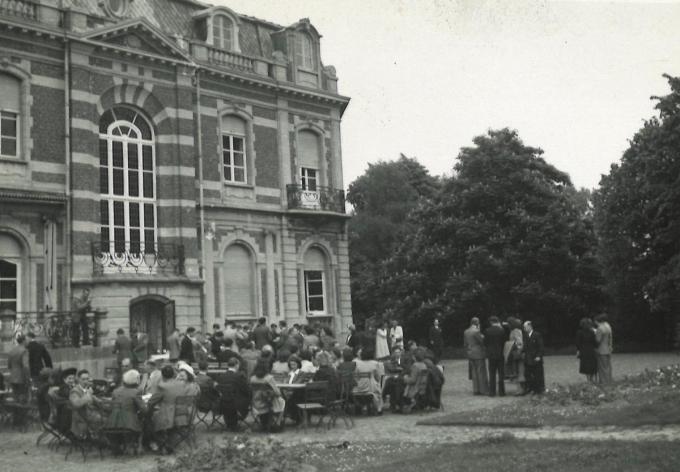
[17,284]
[305,178]
[231,151]
[111,198]
[17,133]
[221,18]
[305,51]
[323,296]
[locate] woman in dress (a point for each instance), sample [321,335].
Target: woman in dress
[268,403]
[515,365]
[382,350]
[586,344]
[371,383]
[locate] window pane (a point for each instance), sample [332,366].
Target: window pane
[8,270]
[133,183]
[8,305]
[227,158]
[316,304]
[118,182]
[119,238]
[103,180]
[104,212]
[134,215]
[125,130]
[149,216]
[134,241]
[118,214]
[149,243]
[238,159]
[105,121]
[226,142]
[143,126]
[239,175]
[147,161]
[117,154]
[123,113]
[133,160]
[105,239]
[103,153]
[238,144]
[315,288]
[8,289]
[148,184]
[8,147]
[227,173]
[8,127]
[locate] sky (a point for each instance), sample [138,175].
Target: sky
[426,76]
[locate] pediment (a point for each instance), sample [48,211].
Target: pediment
[140,36]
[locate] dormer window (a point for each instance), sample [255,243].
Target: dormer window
[115,8]
[304,51]
[223,32]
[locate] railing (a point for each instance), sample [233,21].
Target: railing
[57,327]
[223,58]
[321,199]
[19,8]
[117,257]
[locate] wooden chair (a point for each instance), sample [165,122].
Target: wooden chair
[338,408]
[316,401]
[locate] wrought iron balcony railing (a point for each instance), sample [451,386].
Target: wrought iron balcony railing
[56,327]
[321,199]
[118,257]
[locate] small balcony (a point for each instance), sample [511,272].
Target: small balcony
[55,327]
[222,58]
[118,257]
[323,199]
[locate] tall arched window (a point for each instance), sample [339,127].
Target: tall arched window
[234,159]
[239,282]
[127,182]
[315,281]
[304,51]
[223,32]
[10,115]
[11,255]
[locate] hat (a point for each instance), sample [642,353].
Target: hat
[70,371]
[186,368]
[131,377]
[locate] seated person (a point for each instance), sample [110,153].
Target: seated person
[280,366]
[327,372]
[61,416]
[250,355]
[131,404]
[227,351]
[46,380]
[394,382]
[294,372]
[84,403]
[150,379]
[234,382]
[306,356]
[168,390]
[414,385]
[270,405]
[369,384]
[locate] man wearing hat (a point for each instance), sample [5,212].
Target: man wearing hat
[131,404]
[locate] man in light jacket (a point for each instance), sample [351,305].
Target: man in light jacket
[476,354]
[605,342]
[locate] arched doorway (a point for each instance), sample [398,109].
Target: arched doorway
[155,316]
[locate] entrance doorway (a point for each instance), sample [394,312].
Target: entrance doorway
[155,316]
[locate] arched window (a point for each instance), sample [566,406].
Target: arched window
[10,115]
[127,182]
[239,282]
[309,160]
[234,159]
[223,32]
[315,281]
[11,255]
[304,51]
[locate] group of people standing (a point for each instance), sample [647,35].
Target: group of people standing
[594,346]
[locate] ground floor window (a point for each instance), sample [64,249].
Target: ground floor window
[314,291]
[8,286]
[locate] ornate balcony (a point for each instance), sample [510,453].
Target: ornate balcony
[322,199]
[54,326]
[137,258]
[222,58]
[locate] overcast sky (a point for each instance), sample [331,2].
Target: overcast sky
[426,76]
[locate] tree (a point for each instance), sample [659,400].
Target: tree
[382,199]
[637,214]
[507,235]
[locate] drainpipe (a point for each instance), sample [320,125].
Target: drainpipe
[68,266]
[201,211]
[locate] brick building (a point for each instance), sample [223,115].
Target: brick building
[180,160]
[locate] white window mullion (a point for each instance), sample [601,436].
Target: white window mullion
[111,227]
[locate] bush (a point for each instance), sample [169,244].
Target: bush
[235,454]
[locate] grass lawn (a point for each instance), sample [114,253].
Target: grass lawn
[500,454]
[649,398]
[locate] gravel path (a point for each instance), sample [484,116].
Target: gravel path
[18,452]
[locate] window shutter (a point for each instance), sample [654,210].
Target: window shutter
[308,149]
[10,91]
[233,125]
[238,281]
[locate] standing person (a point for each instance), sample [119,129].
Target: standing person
[351,340]
[261,333]
[174,346]
[586,343]
[19,375]
[141,350]
[474,347]
[122,347]
[396,335]
[382,350]
[533,360]
[186,347]
[81,305]
[605,345]
[494,341]
[515,358]
[436,339]
[38,357]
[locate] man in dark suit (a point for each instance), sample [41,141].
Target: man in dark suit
[38,357]
[122,347]
[262,334]
[235,391]
[494,340]
[533,360]
[19,375]
[227,352]
[186,347]
[476,353]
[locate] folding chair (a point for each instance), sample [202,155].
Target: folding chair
[92,439]
[227,394]
[119,438]
[362,399]
[338,408]
[316,399]
[207,408]
[183,424]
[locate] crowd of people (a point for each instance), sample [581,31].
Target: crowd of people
[514,350]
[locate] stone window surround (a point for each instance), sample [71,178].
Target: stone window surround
[249,147]
[24,114]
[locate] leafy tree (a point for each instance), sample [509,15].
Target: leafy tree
[382,198]
[507,235]
[637,213]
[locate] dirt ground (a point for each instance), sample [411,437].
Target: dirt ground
[18,452]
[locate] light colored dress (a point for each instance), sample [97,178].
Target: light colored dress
[382,350]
